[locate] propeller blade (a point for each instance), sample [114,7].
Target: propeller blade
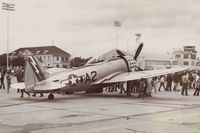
[139,49]
[120,53]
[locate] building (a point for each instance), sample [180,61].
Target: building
[51,56]
[181,57]
[187,56]
[154,61]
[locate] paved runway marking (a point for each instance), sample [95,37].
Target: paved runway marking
[136,131]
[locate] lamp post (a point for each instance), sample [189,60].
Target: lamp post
[8,7]
[117,24]
[138,35]
[137,40]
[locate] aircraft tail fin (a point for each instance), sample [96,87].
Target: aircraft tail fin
[34,72]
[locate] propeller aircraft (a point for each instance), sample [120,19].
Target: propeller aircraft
[96,74]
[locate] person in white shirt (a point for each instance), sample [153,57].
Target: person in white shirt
[162,83]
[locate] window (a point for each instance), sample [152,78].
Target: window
[177,56]
[48,58]
[192,63]
[193,56]
[57,58]
[185,63]
[186,56]
[62,58]
[44,58]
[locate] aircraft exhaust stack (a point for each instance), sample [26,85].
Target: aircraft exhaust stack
[139,49]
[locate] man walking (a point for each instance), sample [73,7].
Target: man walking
[8,77]
[162,83]
[169,82]
[197,88]
[2,80]
[184,84]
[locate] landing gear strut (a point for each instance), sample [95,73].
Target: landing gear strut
[51,96]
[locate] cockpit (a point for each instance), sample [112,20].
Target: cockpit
[109,56]
[96,59]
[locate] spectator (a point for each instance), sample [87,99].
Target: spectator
[12,71]
[136,86]
[134,83]
[121,87]
[162,83]
[154,84]
[2,80]
[129,88]
[197,89]
[148,87]
[176,79]
[169,82]
[184,84]
[142,89]
[190,81]
[8,77]
[19,75]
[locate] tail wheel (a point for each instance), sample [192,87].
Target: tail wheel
[51,96]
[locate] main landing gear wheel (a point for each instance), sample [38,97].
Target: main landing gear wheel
[51,96]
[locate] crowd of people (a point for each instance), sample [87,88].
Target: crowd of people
[8,76]
[180,81]
[18,72]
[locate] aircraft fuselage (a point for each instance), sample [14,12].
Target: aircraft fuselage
[81,78]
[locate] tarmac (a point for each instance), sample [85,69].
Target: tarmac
[165,112]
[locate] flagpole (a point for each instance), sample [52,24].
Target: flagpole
[8,7]
[116,37]
[7,40]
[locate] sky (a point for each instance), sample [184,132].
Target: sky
[85,27]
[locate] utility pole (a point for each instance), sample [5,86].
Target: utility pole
[8,7]
[117,24]
[127,45]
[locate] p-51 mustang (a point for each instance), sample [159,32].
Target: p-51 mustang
[96,74]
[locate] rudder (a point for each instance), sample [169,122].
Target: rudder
[34,72]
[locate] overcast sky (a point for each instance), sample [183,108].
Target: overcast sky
[85,27]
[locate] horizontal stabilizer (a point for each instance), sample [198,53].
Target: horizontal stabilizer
[56,70]
[18,85]
[47,86]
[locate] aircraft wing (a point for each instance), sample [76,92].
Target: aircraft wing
[127,76]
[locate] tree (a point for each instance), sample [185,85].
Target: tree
[3,60]
[78,61]
[19,61]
